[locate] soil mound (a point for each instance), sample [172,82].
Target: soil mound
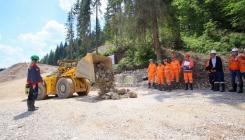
[19,70]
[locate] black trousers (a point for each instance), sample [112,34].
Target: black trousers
[33,93]
[211,78]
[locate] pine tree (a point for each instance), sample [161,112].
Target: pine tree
[70,31]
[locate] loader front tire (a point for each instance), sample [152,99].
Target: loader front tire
[87,89]
[65,88]
[42,92]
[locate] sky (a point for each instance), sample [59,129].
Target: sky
[33,27]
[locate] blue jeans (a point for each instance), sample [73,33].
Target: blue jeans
[218,77]
[233,74]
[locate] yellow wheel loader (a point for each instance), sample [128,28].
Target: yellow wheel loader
[72,77]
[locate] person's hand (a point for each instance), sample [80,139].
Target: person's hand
[34,86]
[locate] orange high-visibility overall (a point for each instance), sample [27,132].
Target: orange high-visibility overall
[187,70]
[234,63]
[151,72]
[168,73]
[160,74]
[176,70]
[241,60]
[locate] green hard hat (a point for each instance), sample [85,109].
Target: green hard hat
[159,61]
[151,60]
[34,57]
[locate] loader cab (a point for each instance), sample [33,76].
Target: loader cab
[66,65]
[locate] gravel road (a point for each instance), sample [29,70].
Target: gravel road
[179,114]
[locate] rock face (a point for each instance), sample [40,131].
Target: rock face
[106,83]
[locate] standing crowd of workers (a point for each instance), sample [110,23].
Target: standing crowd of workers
[170,72]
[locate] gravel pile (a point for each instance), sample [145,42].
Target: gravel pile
[19,70]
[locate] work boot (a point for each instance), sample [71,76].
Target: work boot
[33,105]
[160,87]
[212,86]
[240,88]
[234,87]
[191,88]
[164,87]
[29,105]
[177,85]
[186,86]
[154,85]
[169,88]
[149,84]
[173,85]
[222,87]
[216,87]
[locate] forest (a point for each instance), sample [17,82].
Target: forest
[142,28]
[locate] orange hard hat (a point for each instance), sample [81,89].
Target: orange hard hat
[174,56]
[187,55]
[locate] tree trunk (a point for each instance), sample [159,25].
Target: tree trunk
[155,32]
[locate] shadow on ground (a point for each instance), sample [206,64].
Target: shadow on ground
[23,115]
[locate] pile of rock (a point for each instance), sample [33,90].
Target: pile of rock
[104,78]
[118,94]
[105,81]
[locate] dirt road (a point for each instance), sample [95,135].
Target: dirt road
[180,114]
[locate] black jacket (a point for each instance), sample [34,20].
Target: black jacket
[218,67]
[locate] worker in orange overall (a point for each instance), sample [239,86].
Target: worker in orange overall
[241,60]
[176,71]
[234,69]
[168,70]
[210,75]
[160,75]
[187,66]
[151,73]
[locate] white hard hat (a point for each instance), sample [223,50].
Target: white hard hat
[234,50]
[213,51]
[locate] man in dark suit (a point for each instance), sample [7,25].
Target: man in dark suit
[216,68]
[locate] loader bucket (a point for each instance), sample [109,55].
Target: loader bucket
[85,66]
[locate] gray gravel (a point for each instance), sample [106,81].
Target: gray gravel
[179,114]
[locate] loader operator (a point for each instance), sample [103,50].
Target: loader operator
[234,68]
[151,73]
[187,66]
[168,73]
[176,71]
[33,78]
[160,75]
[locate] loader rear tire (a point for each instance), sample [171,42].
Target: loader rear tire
[42,92]
[87,90]
[65,88]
